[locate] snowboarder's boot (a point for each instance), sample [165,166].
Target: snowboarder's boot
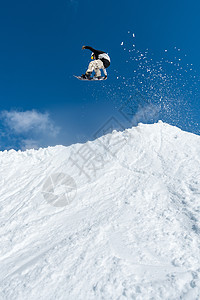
[97,77]
[86,75]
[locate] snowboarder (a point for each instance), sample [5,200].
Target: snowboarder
[101,60]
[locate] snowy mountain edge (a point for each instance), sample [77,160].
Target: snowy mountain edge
[114,218]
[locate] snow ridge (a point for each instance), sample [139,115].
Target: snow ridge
[116,218]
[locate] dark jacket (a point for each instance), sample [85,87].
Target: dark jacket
[103,56]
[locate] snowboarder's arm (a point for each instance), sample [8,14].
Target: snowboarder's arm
[96,52]
[89,48]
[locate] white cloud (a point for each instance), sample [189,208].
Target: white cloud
[29,144]
[29,121]
[27,129]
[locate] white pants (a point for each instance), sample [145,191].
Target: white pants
[96,65]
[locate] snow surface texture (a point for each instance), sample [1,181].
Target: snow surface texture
[116,218]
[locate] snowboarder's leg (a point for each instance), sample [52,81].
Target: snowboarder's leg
[89,71]
[95,65]
[97,73]
[91,67]
[105,72]
[98,66]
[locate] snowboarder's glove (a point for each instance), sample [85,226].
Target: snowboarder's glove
[105,77]
[83,47]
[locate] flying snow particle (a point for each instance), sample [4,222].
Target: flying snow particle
[133,35]
[122,43]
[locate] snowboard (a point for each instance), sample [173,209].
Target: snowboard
[90,79]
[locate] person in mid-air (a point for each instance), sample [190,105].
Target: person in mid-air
[101,60]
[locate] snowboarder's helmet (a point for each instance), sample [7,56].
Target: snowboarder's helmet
[92,56]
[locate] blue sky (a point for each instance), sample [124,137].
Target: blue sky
[43,104]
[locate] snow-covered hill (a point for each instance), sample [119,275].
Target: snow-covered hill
[116,218]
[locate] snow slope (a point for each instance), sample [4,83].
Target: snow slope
[116,218]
